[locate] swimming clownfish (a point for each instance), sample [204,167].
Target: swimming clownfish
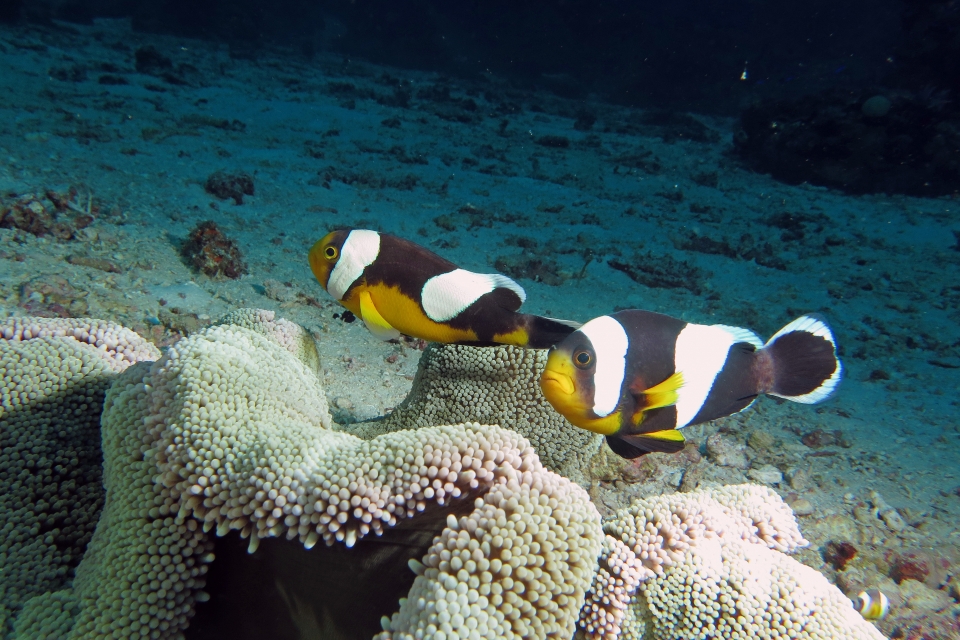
[872,604]
[398,287]
[638,377]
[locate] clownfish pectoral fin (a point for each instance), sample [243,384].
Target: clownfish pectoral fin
[375,322]
[661,395]
[636,445]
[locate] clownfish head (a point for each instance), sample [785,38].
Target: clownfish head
[325,254]
[339,259]
[584,375]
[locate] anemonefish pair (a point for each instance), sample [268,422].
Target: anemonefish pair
[639,377]
[398,287]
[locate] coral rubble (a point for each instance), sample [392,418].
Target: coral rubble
[226,186]
[850,143]
[212,253]
[50,213]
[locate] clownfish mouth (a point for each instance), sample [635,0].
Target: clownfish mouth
[560,390]
[556,382]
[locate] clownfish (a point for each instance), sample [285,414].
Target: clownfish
[637,377]
[872,604]
[398,287]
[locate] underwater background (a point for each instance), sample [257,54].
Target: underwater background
[734,163]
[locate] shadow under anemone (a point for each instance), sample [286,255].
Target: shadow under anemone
[286,592]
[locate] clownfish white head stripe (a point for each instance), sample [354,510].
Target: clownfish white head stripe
[700,353]
[359,251]
[610,343]
[445,296]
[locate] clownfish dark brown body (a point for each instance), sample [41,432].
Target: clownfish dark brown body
[398,287]
[639,377]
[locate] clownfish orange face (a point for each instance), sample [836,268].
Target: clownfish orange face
[325,254]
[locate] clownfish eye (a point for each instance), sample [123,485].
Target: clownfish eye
[330,252]
[583,359]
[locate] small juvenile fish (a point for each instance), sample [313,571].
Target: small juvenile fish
[398,287]
[872,604]
[638,377]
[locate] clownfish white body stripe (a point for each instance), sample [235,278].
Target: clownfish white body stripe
[700,353]
[447,295]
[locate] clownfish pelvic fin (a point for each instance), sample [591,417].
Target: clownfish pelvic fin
[664,394]
[374,321]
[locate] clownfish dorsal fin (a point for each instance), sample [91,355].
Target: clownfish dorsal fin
[660,395]
[375,322]
[573,324]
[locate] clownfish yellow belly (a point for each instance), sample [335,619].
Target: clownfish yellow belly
[397,287]
[639,377]
[406,317]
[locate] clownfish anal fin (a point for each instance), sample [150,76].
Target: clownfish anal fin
[375,322]
[636,445]
[660,395]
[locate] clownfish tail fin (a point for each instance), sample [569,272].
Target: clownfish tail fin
[543,332]
[800,363]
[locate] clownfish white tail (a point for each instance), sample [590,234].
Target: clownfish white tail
[800,362]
